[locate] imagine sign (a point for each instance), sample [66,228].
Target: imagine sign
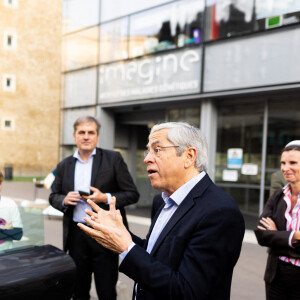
[163,75]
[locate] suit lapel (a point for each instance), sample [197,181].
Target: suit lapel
[183,208]
[281,208]
[71,172]
[96,165]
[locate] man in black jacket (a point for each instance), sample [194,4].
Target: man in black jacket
[102,174]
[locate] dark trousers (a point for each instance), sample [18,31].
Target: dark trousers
[285,285]
[90,257]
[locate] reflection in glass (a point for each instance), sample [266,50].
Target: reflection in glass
[171,26]
[119,8]
[78,14]
[227,18]
[270,8]
[274,13]
[80,49]
[114,40]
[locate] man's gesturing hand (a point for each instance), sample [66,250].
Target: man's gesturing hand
[108,228]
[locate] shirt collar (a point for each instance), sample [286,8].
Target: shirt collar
[287,191]
[179,195]
[77,156]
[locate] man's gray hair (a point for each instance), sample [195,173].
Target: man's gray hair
[185,135]
[86,119]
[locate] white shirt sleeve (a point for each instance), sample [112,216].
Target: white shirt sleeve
[123,254]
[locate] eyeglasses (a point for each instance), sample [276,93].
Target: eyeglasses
[157,150]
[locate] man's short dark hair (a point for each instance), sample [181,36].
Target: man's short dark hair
[1,177]
[87,119]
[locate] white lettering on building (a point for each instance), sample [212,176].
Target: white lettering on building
[168,74]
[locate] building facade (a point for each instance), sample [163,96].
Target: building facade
[228,67]
[30,74]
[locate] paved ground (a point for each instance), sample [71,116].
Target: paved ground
[247,281]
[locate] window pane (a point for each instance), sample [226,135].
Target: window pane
[227,18]
[78,14]
[7,123]
[283,127]
[114,40]
[119,8]
[273,13]
[239,142]
[190,115]
[80,88]
[263,56]
[80,49]
[171,26]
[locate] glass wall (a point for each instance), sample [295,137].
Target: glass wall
[114,40]
[229,18]
[274,13]
[80,88]
[239,153]
[119,8]
[78,14]
[135,28]
[80,49]
[166,27]
[240,139]
[226,18]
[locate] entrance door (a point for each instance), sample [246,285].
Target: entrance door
[239,154]
[131,137]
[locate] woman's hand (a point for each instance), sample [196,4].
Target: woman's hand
[268,224]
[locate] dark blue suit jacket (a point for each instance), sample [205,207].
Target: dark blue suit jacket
[109,174]
[196,252]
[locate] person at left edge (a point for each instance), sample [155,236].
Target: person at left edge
[11,228]
[105,174]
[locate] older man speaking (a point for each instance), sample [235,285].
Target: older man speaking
[194,240]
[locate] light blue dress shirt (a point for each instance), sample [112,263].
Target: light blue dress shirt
[171,204]
[82,182]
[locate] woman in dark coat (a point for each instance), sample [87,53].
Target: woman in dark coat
[279,230]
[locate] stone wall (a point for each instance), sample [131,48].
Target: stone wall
[32,145]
